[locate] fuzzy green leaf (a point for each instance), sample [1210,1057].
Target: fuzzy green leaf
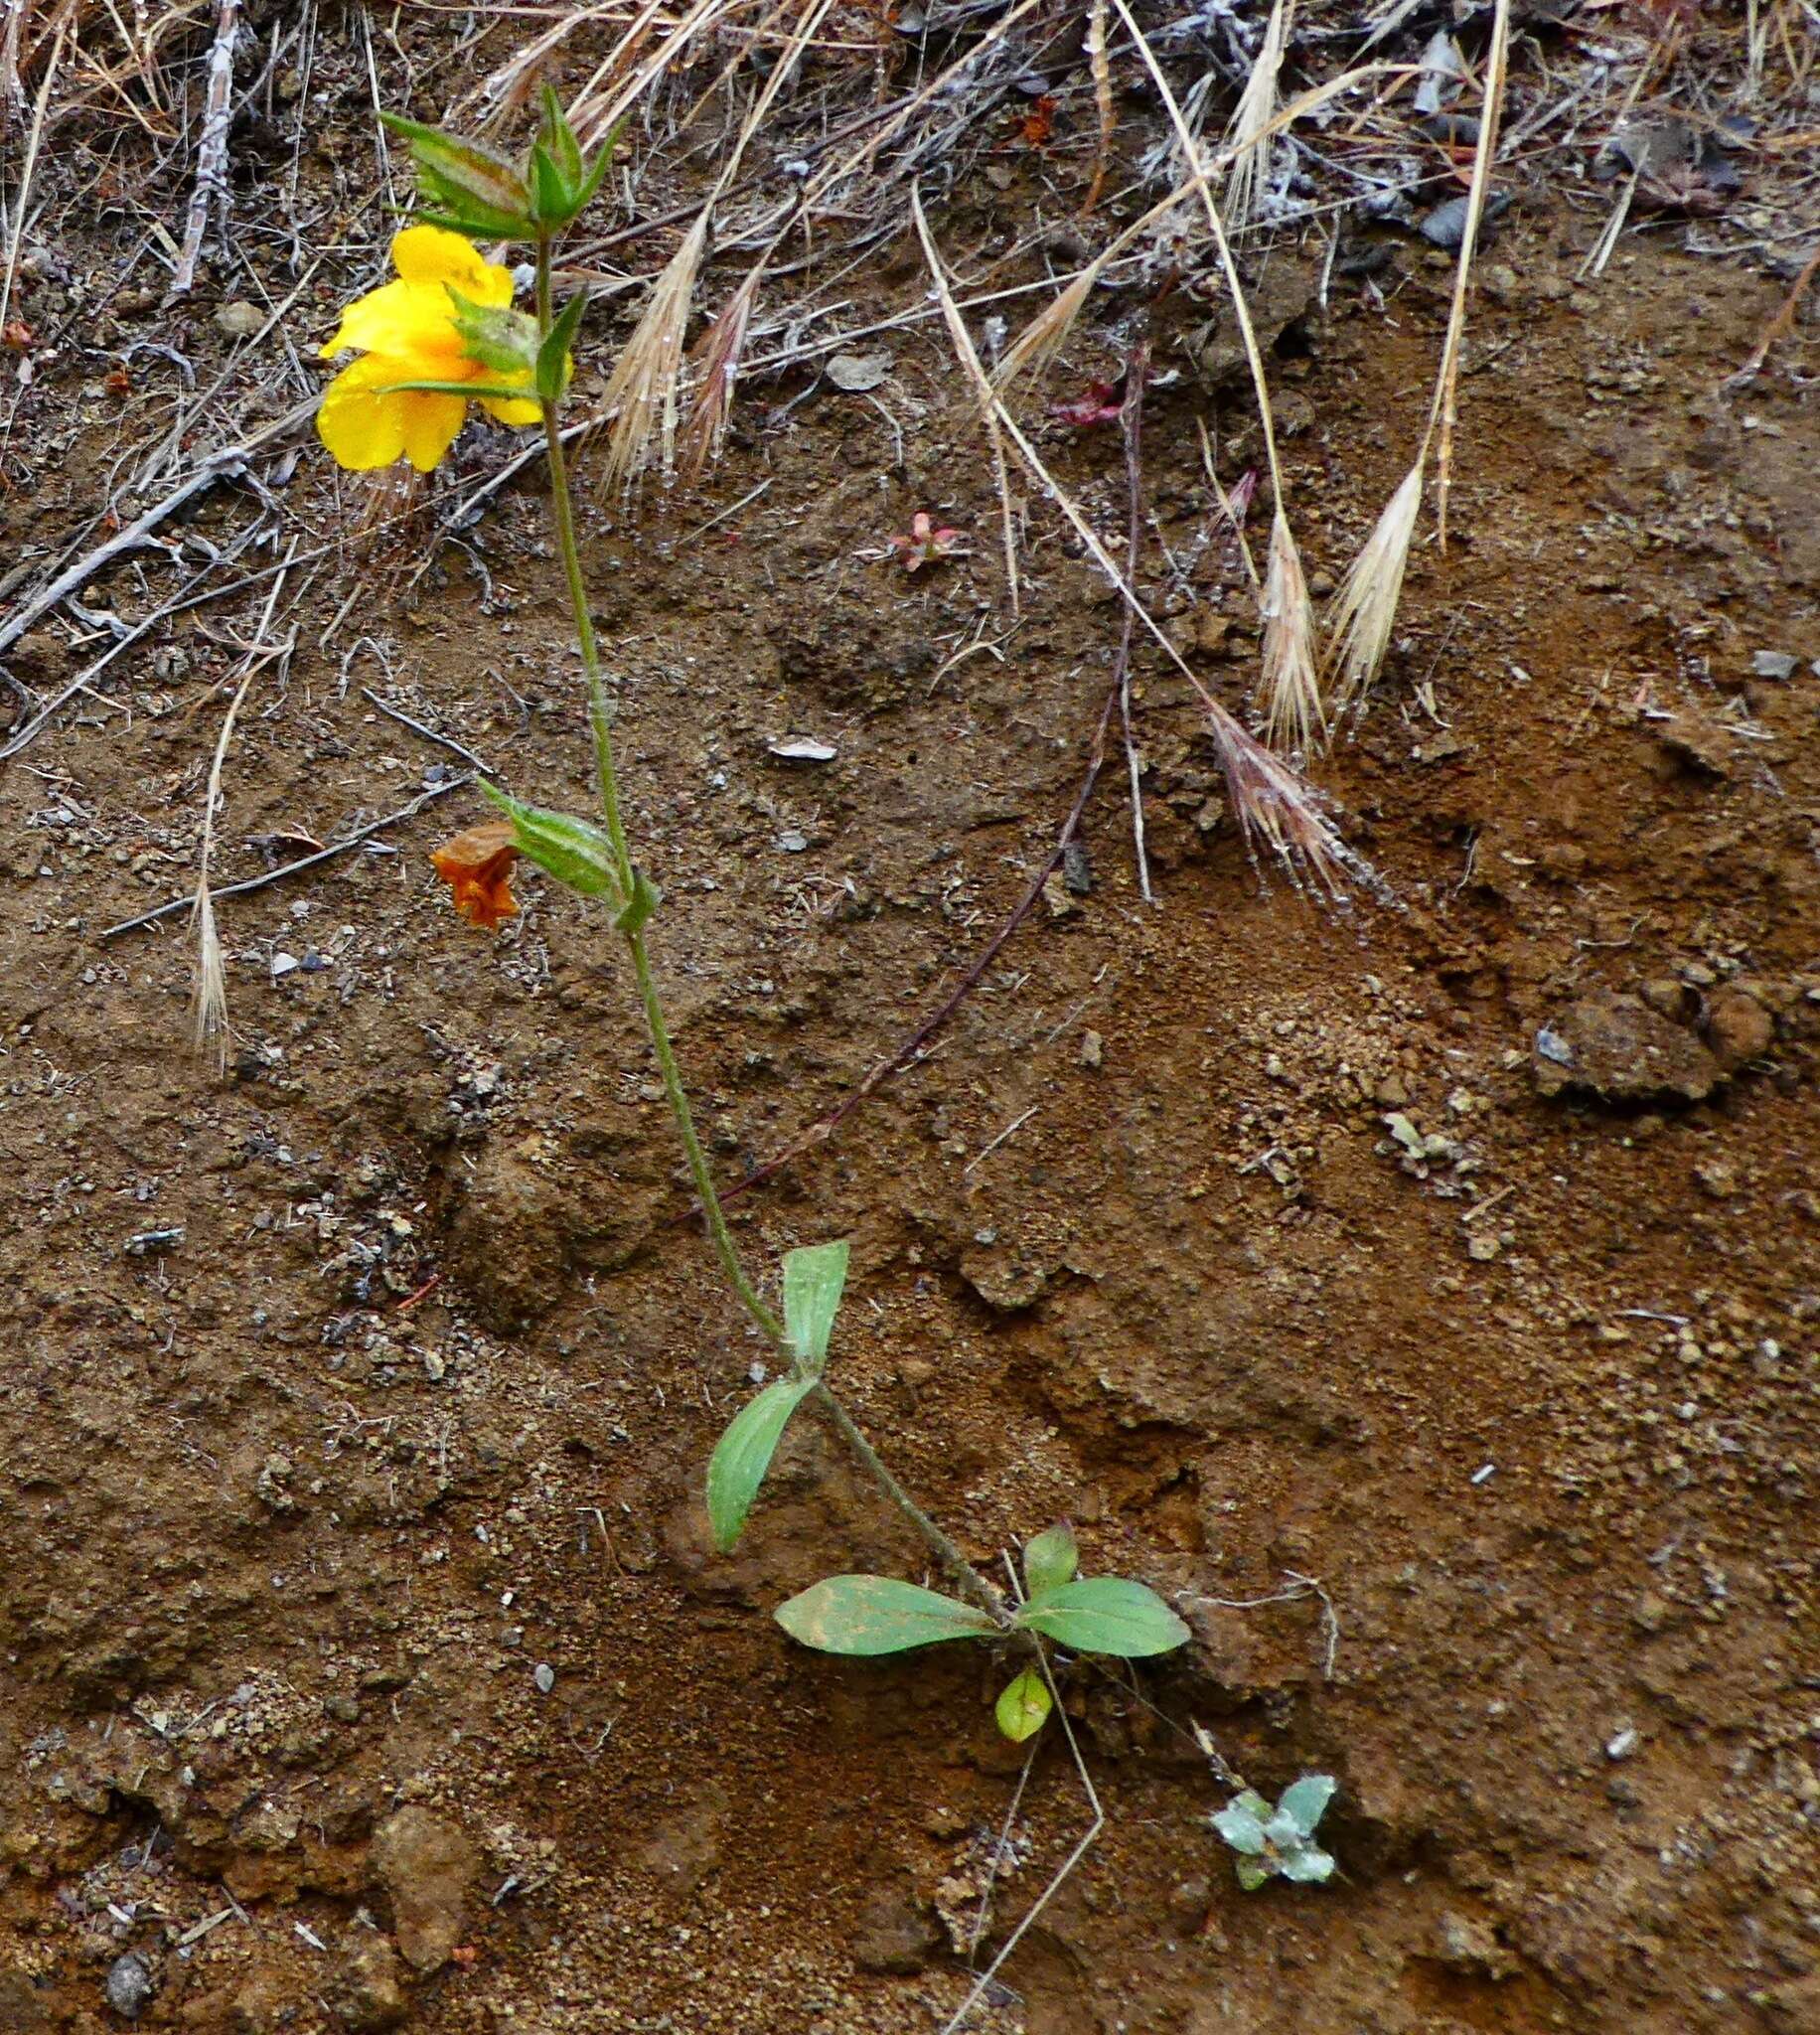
[1050,1560]
[812,1281]
[575,851]
[1303,1803]
[550,198]
[465,179]
[1307,1865]
[868,1615]
[557,138]
[474,390]
[554,355]
[743,1455]
[1106,1615]
[1023,1706]
[1241,1828]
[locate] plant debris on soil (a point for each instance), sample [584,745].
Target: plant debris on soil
[1422,1292]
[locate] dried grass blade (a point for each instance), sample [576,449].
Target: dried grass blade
[1271,803]
[969,357]
[1289,689]
[1249,134]
[718,357]
[1446,391]
[641,394]
[1100,67]
[1364,610]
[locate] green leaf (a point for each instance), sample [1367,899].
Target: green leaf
[557,138]
[575,851]
[1241,1828]
[1050,1560]
[553,354]
[1305,1801]
[866,1614]
[550,198]
[470,181]
[1023,1706]
[1253,1872]
[743,1455]
[813,1280]
[1307,1865]
[1106,1615]
[645,899]
[603,162]
[472,390]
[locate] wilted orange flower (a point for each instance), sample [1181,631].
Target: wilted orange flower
[477,867]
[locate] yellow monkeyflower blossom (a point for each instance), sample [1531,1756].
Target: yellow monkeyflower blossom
[406,331]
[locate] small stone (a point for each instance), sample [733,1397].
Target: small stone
[1620,1050]
[1651,1611]
[367,1994]
[1482,1249]
[894,1935]
[426,1865]
[1471,1947]
[1772,663]
[1056,897]
[1739,1029]
[1621,1744]
[1093,1049]
[1393,1092]
[545,1675]
[241,319]
[1716,1178]
[129,1985]
[1671,998]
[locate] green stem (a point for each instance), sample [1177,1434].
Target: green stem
[960,1569]
[600,713]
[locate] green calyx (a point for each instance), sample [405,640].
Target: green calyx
[573,851]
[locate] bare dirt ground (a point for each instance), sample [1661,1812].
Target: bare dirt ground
[365,1663]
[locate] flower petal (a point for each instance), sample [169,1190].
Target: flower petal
[362,429]
[410,320]
[512,410]
[432,254]
[432,424]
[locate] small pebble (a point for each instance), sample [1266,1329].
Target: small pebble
[129,1985]
[545,1675]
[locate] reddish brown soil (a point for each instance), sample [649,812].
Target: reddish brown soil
[287,1535]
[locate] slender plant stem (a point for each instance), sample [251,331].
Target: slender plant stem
[960,1569]
[600,713]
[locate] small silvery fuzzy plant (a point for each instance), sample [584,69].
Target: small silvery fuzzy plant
[446,334]
[1278,1843]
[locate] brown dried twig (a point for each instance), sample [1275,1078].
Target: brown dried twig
[211,191]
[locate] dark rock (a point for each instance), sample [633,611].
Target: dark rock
[1618,1048]
[426,1865]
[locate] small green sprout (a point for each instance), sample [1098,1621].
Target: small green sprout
[1279,1842]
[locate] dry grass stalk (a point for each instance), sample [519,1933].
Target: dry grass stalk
[718,357]
[1292,717]
[969,357]
[641,394]
[211,191]
[1364,610]
[1272,804]
[598,106]
[1448,389]
[1037,345]
[1289,686]
[641,390]
[1250,129]
[1100,67]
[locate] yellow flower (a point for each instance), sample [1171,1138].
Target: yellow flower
[406,331]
